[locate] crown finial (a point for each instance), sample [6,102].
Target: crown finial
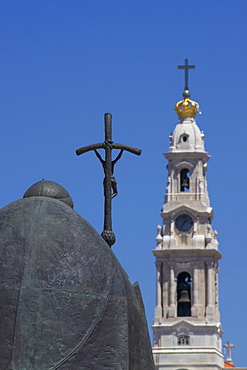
[186,108]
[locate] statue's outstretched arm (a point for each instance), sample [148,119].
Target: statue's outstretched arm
[99,157]
[118,157]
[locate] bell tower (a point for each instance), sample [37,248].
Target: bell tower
[187,329]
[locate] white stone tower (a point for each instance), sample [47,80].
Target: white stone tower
[187,328]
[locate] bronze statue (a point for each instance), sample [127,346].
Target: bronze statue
[66,303]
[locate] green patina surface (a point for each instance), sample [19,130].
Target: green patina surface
[66,303]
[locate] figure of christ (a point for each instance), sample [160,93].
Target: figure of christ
[113,180]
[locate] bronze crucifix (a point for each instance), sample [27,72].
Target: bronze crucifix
[110,184]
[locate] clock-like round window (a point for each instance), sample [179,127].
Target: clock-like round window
[184,222]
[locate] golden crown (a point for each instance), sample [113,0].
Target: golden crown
[186,108]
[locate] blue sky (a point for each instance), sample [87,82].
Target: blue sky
[65,63]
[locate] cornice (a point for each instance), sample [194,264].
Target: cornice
[187,254]
[183,207]
[186,154]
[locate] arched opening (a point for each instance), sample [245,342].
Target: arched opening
[185,180]
[184,138]
[183,294]
[183,340]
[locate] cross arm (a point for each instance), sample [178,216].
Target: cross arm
[87,148]
[127,148]
[186,67]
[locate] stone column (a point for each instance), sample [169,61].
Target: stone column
[172,226]
[165,290]
[195,288]
[172,239]
[194,237]
[172,292]
[210,286]
[196,284]
[168,189]
[158,309]
[210,306]
[216,292]
[172,185]
[172,303]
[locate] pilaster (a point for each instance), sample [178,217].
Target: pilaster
[172,292]
[158,309]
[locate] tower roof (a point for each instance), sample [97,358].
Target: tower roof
[227,364]
[187,137]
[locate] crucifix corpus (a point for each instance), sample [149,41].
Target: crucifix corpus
[110,184]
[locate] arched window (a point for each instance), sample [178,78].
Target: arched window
[185,180]
[183,294]
[184,138]
[183,340]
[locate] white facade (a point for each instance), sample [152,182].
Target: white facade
[187,329]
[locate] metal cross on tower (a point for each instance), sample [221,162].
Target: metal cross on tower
[110,184]
[186,68]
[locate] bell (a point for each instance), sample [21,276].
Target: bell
[185,183]
[184,296]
